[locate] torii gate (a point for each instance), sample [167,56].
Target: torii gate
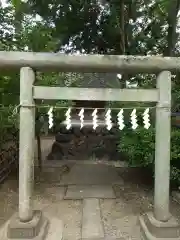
[32,224]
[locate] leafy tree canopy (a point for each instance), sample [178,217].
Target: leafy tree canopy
[131,27]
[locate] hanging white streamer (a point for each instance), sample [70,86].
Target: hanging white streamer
[50,117]
[120,119]
[108,120]
[68,119]
[146,119]
[94,115]
[134,119]
[81,115]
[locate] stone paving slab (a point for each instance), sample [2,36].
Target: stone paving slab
[92,226]
[55,231]
[106,238]
[49,191]
[91,175]
[89,191]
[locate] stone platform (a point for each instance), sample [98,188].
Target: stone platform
[91,175]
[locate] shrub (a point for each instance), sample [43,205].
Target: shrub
[9,123]
[139,148]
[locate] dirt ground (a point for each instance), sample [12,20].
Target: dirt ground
[119,215]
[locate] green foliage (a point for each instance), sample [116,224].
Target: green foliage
[9,123]
[93,26]
[139,147]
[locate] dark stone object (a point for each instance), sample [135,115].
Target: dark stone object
[63,130]
[63,138]
[77,132]
[56,152]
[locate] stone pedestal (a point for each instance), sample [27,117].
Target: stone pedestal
[36,229]
[152,229]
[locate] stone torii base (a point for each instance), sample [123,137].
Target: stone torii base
[152,229]
[40,228]
[36,229]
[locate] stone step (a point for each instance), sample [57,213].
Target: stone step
[91,175]
[92,226]
[75,192]
[105,238]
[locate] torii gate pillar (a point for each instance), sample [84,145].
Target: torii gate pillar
[28,223]
[160,224]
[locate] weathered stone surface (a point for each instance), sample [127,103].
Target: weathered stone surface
[99,152]
[89,191]
[63,138]
[36,228]
[81,144]
[86,131]
[50,191]
[77,131]
[152,229]
[107,149]
[63,130]
[53,232]
[105,238]
[92,226]
[56,152]
[91,175]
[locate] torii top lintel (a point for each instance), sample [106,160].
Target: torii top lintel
[88,63]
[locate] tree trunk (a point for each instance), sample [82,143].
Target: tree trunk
[174,7]
[39,151]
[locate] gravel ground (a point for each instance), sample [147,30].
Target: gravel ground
[119,216]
